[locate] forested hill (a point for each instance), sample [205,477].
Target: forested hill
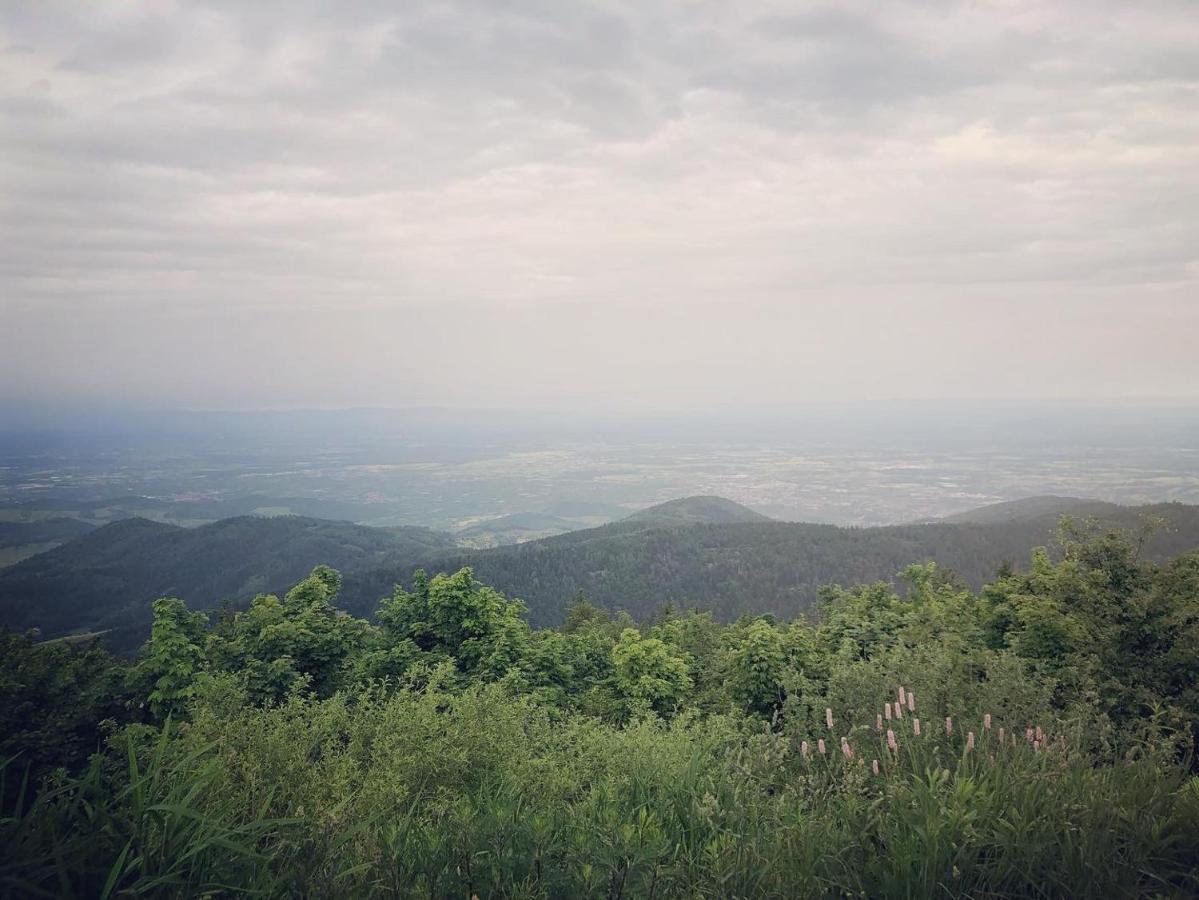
[1031,508]
[704,510]
[105,580]
[749,567]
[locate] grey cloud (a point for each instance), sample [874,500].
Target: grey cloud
[614,175]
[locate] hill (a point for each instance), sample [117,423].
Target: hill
[105,580]
[747,567]
[1047,506]
[20,540]
[704,510]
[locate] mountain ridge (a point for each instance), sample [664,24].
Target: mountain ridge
[108,577]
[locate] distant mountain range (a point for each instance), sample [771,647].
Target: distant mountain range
[703,551]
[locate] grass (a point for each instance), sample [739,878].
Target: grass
[430,794]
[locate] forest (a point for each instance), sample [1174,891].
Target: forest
[699,552]
[1035,737]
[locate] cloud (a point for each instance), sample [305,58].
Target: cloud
[240,182]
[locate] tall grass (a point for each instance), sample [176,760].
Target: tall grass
[433,794]
[155,829]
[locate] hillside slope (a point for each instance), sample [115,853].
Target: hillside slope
[747,567]
[106,579]
[1028,508]
[703,510]
[20,540]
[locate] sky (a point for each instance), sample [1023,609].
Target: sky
[581,205]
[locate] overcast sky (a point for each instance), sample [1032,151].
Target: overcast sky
[597,204]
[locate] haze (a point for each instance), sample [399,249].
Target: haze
[597,205]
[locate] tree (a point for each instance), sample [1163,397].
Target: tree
[53,698]
[302,640]
[173,657]
[648,673]
[756,668]
[457,617]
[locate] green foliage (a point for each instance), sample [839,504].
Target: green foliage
[300,642]
[456,617]
[756,670]
[649,674]
[1043,745]
[173,658]
[55,699]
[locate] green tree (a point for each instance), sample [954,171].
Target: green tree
[456,617]
[173,658]
[301,641]
[648,673]
[756,669]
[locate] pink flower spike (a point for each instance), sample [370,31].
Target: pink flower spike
[903,697]
[1000,734]
[911,702]
[969,740]
[828,716]
[898,710]
[803,748]
[887,711]
[820,745]
[891,740]
[846,750]
[874,766]
[1036,745]
[987,721]
[916,727]
[1040,734]
[878,722]
[949,724]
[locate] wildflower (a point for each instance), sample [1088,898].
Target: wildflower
[1001,734]
[987,721]
[1040,734]
[1036,745]
[949,724]
[828,716]
[803,748]
[911,702]
[903,698]
[969,740]
[916,727]
[891,740]
[898,711]
[878,722]
[887,711]
[874,765]
[846,750]
[820,745]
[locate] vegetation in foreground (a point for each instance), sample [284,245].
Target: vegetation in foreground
[1034,738]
